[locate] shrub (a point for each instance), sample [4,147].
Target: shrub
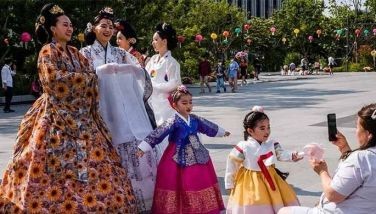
[355,67]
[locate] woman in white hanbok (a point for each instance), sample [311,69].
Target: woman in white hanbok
[164,71]
[122,89]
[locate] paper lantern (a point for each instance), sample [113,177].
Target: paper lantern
[237,31]
[318,32]
[181,39]
[249,41]
[199,38]
[310,38]
[284,40]
[6,41]
[213,36]
[81,37]
[357,32]
[296,31]
[366,32]
[226,34]
[246,27]
[339,32]
[373,53]
[25,37]
[272,29]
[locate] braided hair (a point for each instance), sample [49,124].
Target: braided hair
[251,119]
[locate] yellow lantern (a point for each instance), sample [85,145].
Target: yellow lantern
[81,37]
[296,31]
[214,36]
[373,53]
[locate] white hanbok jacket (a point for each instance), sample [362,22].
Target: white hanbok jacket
[121,89]
[165,76]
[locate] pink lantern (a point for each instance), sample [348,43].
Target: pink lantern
[318,32]
[6,41]
[181,39]
[357,32]
[199,38]
[374,31]
[25,37]
[310,38]
[247,27]
[272,29]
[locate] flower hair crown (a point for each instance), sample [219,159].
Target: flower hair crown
[56,9]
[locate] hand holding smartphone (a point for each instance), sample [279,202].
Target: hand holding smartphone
[332,127]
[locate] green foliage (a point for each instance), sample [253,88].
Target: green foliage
[355,67]
[292,57]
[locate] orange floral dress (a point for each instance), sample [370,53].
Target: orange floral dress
[64,161]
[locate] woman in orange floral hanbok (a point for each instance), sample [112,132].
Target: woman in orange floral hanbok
[63,160]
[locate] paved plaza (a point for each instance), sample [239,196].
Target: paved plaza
[297,107]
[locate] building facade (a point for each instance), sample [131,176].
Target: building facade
[259,8]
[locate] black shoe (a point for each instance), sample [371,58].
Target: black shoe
[11,110]
[218,91]
[224,89]
[6,111]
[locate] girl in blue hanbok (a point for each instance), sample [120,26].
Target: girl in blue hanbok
[186,180]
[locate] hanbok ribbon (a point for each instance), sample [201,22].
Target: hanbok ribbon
[264,170]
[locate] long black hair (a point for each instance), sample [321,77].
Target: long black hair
[127,30]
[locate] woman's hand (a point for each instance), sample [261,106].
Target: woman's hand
[341,143]
[319,166]
[226,134]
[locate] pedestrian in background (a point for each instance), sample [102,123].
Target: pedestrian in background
[7,73]
[220,72]
[243,70]
[233,74]
[204,70]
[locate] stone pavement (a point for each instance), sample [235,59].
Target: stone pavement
[297,107]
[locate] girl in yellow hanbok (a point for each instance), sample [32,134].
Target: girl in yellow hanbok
[256,185]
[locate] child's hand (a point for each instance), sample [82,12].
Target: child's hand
[140,153]
[296,157]
[226,134]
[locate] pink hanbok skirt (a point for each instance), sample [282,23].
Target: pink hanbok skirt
[190,189]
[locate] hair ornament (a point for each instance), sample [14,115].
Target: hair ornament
[89,27]
[56,9]
[42,20]
[118,26]
[373,116]
[182,88]
[132,40]
[108,10]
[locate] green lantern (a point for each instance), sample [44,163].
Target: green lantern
[237,31]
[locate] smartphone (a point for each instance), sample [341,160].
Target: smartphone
[332,127]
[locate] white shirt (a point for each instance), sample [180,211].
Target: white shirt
[355,178]
[165,76]
[6,76]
